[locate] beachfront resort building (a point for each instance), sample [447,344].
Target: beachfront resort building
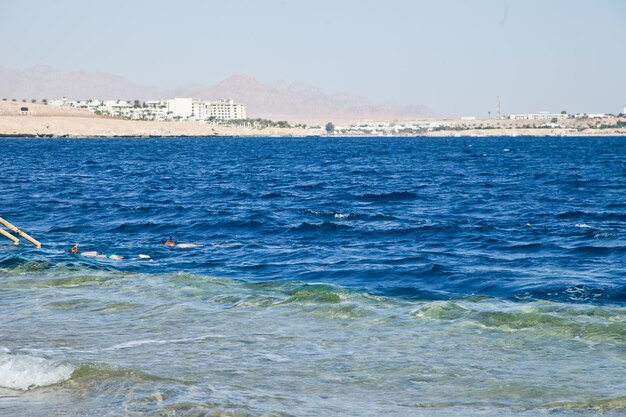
[226,110]
[179,108]
[191,108]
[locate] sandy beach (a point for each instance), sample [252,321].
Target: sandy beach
[50,121]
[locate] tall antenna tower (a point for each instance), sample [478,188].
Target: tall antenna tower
[498,106]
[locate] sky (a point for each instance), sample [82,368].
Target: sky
[454,56]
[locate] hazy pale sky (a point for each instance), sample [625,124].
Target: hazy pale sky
[454,56]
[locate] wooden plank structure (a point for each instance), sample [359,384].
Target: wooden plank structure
[8,235]
[14,229]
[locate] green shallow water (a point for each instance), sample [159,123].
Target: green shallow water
[189,345]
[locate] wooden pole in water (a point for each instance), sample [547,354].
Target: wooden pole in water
[19,232]
[8,235]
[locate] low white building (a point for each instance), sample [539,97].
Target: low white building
[590,116]
[538,116]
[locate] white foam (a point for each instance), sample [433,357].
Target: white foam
[24,371]
[583,225]
[272,357]
[134,343]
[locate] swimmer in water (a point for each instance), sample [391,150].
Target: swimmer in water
[171,243]
[93,254]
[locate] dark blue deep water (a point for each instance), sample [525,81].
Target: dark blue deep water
[422,218]
[427,277]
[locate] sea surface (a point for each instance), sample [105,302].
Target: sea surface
[336,276]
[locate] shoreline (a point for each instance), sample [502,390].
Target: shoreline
[262,135]
[50,122]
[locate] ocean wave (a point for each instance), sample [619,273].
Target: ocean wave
[19,265]
[349,216]
[601,405]
[142,342]
[596,216]
[595,324]
[424,228]
[315,294]
[23,372]
[334,214]
[571,215]
[525,247]
[87,374]
[143,227]
[436,270]
[320,227]
[71,281]
[598,250]
[387,197]
[274,194]
[241,224]
[412,277]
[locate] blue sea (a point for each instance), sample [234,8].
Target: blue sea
[334,277]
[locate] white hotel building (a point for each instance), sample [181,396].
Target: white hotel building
[191,108]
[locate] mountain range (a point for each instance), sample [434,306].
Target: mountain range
[294,102]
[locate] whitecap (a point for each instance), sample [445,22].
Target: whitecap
[23,372]
[583,226]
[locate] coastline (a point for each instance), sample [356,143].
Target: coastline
[75,127]
[80,127]
[57,122]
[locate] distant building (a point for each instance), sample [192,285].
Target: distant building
[226,110]
[589,116]
[180,107]
[201,110]
[538,116]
